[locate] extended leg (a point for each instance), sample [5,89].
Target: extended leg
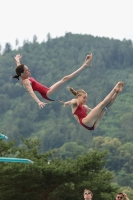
[112,100]
[115,95]
[104,110]
[97,113]
[99,118]
[57,87]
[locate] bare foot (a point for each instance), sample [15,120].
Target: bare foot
[121,86]
[88,60]
[116,88]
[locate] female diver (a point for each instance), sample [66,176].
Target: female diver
[79,108]
[50,93]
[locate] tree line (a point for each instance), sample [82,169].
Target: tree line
[51,60]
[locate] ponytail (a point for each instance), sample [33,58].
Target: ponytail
[16,76]
[74,92]
[78,92]
[19,70]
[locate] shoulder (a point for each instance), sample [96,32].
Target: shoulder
[74,101]
[29,79]
[87,108]
[26,81]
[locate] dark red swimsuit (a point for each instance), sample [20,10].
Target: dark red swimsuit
[36,86]
[81,113]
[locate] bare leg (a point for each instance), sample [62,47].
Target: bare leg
[98,112]
[99,118]
[112,100]
[104,110]
[57,87]
[108,105]
[115,95]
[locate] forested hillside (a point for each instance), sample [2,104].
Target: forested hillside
[55,125]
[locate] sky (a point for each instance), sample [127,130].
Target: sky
[22,19]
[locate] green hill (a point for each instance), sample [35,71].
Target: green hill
[55,125]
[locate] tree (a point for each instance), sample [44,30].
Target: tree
[8,48]
[16,42]
[55,179]
[48,37]
[0,48]
[34,39]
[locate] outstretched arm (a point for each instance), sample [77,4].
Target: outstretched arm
[71,102]
[27,85]
[17,59]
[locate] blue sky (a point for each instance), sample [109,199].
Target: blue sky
[105,18]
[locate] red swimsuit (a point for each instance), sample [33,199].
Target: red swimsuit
[36,86]
[81,113]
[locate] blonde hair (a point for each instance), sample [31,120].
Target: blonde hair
[77,92]
[86,190]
